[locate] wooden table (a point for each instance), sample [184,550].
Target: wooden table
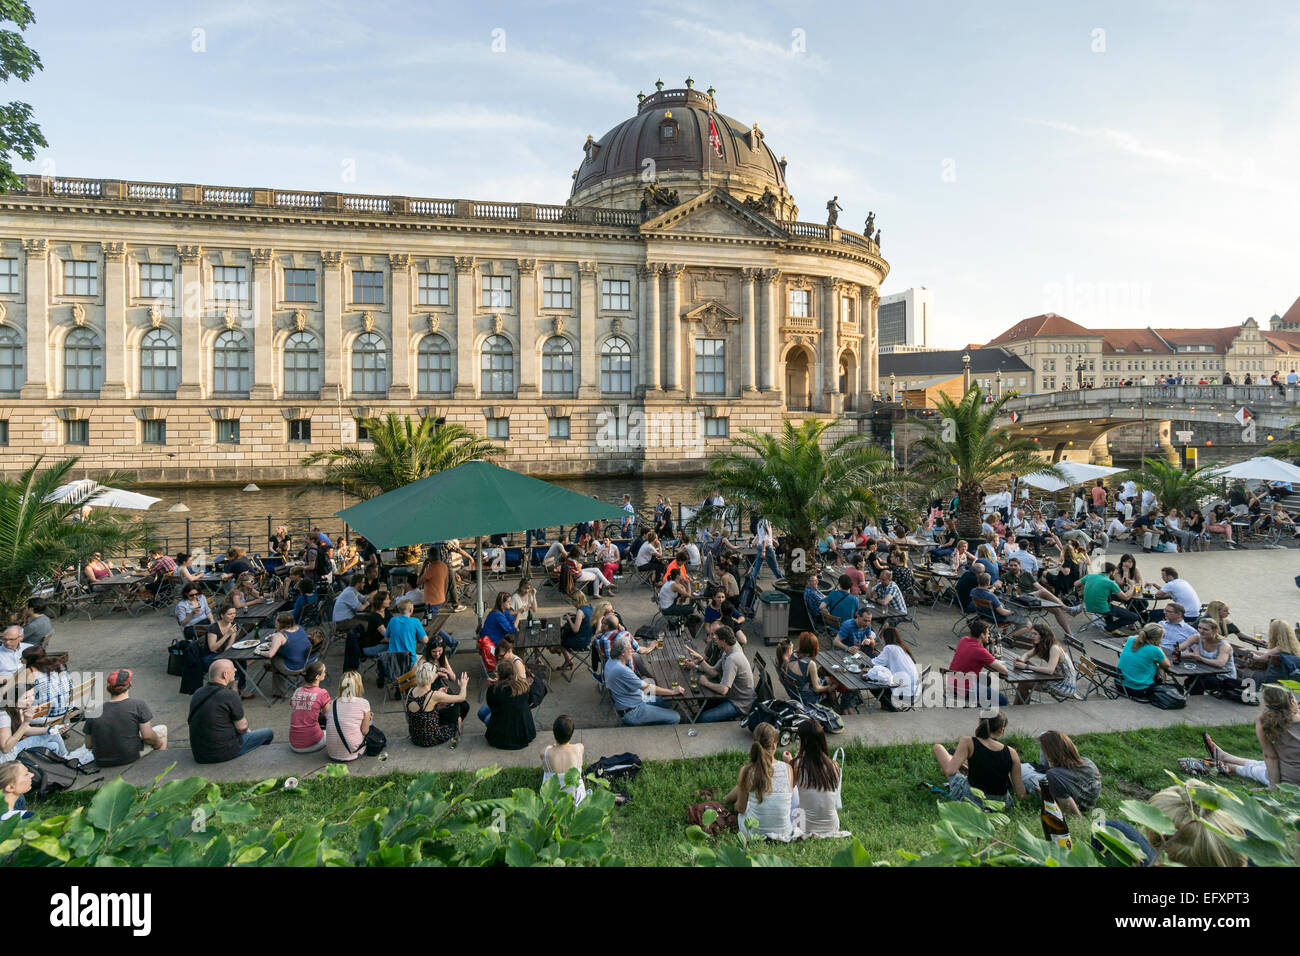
[531,642]
[1024,681]
[121,586]
[1183,668]
[881,614]
[241,658]
[255,615]
[664,670]
[831,665]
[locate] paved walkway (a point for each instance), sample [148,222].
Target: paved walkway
[1257,585]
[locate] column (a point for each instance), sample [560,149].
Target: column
[466,386]
[748,340]
[191,322]
[587,383]
[527,327]
[332,307]
[872,351]
[673,329]
[650,325]
[114,320]
[38,319]
[263,303]
[834,400]
[771,327]
[399,268]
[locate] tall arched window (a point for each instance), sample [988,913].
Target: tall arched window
[369,365]
[498,365]
[616,366]
[11,361]
[231,363]
[158,363]
[83,362]
[433,365]
[301,364]
[557,366]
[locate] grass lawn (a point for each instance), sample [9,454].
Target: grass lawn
[884,804]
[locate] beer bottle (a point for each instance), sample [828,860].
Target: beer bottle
[1054,828]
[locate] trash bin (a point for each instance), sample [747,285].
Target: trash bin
[776,616]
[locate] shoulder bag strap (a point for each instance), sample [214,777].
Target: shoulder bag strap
[339,727]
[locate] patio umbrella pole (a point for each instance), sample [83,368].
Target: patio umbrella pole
[479,541]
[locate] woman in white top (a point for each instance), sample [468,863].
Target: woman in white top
[817,782]
[1053,660]
[765,796]
[897,656]
[353,715]
[18,731]
[524,600]
[562,756]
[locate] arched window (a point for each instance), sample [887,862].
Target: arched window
[231,363]
[83,362]
[11,361]
[369,365]
[433,365]
[498,366]
[158,361]
[301,364]
[616,366]
[557,366]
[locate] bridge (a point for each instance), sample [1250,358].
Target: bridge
[1073,424]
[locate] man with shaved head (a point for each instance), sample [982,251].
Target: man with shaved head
[218,729]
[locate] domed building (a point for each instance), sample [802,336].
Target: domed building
[199,333]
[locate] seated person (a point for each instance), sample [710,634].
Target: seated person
[1176,629]
[11,652]
[1200,835]
[192,611]
[307,602]
[887,593]
[997,613]
[1075,781]
[970,659]
[349,605]
[800,669]
[97,569]
[245,592]
[1176,589]
[857,579]
[15,784]
[575,629]
[735,679]
[404,632]
[307,716]
[123,732]
[1141,662]
[968,582]
[840,603]
[764,795]
[508,717]
[674,601]
[1208,647]
[564,755]
[637,701]
[499,623]
[991,766]
[424,704]
[1017,576]
[1278,730]
[218,729]
[1098,589]
[897,657]
[37,627]
[288,649]
[856,631]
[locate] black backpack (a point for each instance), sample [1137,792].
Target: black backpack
[618,768]
[50,772]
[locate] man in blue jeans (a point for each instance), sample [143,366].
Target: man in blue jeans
[638,702]
[735,679]
[218,729]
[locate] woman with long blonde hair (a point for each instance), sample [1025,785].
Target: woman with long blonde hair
[347,719]
[1278,730]
[1193,843]
[1281,658]
[765,795]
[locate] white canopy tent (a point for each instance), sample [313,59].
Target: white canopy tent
[1259,469]
[104,498]
[1072,473]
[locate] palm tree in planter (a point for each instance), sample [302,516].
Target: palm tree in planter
[964,449]
[1173,486]
[401,451]
[801,482]
[38,538]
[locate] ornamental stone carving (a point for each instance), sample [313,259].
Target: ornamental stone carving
[34,247]
[190,254]
[526,266]
[263,257]
[587,268]
[156,315]
[465,263]
[399,261]
[615,324]
[79,314]
[300,320]
[559,325]
[4,313]
[498,324]
[331,260]
[368,321]
[435,323]
[230,318]
[113,251]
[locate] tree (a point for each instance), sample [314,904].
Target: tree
[38,538]
[402,452]
[965,449]
[1173,486]
[801,487]
[18,132]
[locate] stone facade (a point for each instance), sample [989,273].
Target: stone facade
[608,340]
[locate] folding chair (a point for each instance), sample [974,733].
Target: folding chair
[293,678]
[909,703]
[1100,677]
[399,686]
[829,626]
[77,699]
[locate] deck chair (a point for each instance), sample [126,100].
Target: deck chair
[81,696]
[1100,677]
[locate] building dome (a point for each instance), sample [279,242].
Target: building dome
[671,130]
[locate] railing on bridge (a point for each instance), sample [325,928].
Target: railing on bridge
[1256,397]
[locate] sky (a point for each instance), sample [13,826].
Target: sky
[1121,164]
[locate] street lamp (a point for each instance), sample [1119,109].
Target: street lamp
[999,382]
[965,372]
[1078,369]
[893,388]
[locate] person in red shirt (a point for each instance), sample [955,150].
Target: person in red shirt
[972,657]
[1099,497]
[854,572]
[680,560]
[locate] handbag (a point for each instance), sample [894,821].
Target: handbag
[1168,697]
[176,657]
[374,741]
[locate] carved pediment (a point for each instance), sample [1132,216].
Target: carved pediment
[714,213]
[712,316]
